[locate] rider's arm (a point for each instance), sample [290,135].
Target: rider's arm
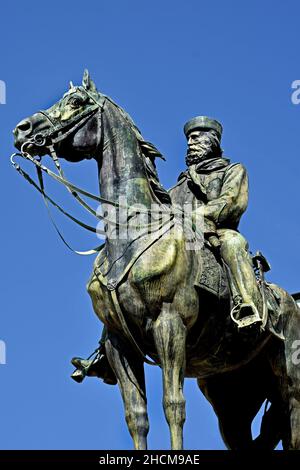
[233,199]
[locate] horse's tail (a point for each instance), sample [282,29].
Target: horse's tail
[271,428]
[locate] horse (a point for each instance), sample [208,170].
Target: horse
[143,287]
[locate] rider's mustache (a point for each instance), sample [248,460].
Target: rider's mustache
[201,148]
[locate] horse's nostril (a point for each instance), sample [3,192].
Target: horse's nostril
[24,126]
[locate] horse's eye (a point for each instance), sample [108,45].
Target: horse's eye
[75,102]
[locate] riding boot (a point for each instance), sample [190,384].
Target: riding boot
[96,367]
[248,307]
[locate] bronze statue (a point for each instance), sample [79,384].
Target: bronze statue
[199,313]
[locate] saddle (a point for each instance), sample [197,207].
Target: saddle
[213,278]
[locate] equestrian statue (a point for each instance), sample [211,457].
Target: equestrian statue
[174,283]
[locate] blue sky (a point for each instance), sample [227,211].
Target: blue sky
[164,62]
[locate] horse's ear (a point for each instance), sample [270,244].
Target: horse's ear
[87,82]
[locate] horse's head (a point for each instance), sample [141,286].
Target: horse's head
[72,125]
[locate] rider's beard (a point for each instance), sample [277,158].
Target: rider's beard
[207,147]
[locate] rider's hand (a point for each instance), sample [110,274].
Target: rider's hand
[209,226]
[202,222]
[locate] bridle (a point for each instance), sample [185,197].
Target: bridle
[56,133]
[62,131]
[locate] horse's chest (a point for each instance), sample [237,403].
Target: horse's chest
[149,281]
[156,262]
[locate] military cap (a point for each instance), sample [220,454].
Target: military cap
[203,122]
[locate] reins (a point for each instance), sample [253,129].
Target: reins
[55,134]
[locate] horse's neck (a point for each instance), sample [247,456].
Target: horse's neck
[123,177]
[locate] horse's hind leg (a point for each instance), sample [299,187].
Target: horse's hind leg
[170,336]
[285,360]
[290,382]
[129,371]
[288,374]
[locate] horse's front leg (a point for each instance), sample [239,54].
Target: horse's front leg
[129,371]
[170,338]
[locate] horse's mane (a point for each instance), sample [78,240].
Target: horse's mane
[150,153]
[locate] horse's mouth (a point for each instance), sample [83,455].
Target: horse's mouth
[29,135]
[29,147]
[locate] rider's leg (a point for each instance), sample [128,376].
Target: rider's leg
[234,252]
[95,367]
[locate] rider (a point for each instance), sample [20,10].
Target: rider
[221,189]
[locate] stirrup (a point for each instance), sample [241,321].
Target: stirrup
[249,320]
